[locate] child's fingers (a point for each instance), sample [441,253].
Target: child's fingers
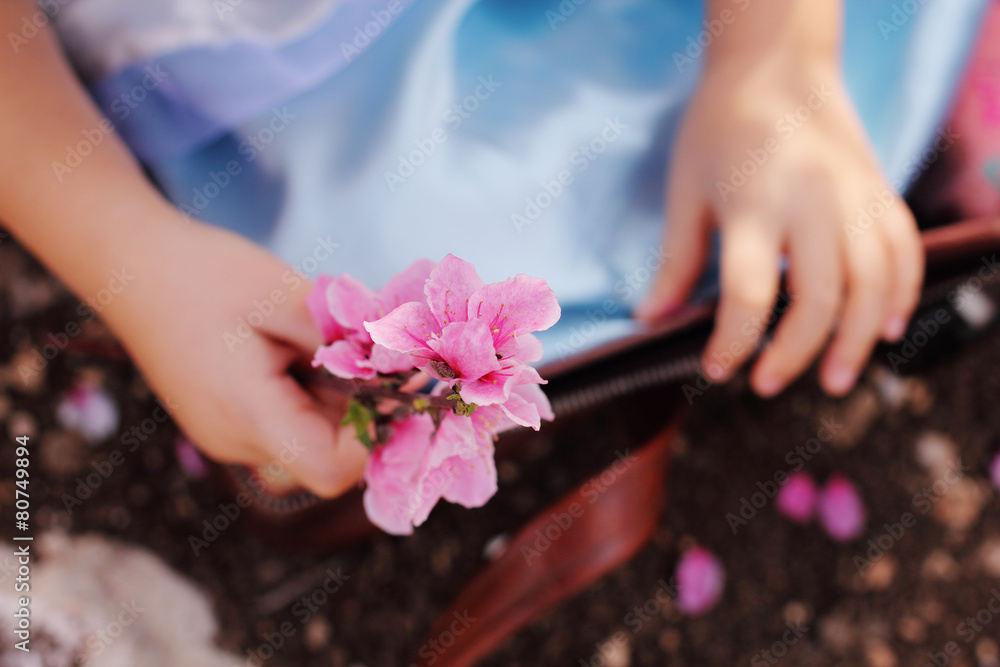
[864,313]
[291,323]
[906,255]
[688,227]
[805,329]
[298,438]
[749,274]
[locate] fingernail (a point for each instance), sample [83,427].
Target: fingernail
[840,380]
[895,328]
[649,310]
[767,385]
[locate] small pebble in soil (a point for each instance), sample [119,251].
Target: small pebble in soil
[935,452]
[891,388]
[989,557]
[317,633]
[960,507]
[797,613]
[21,423]
[495,546]
[33,378]
[879,654]
[189,458]
[912,630]
[63,454]
[920,398]
[858,415]
[841,510]
[880,574]
[995,470]
[670,641]
[940,566]
[987,652]
[837,633]
[119,517]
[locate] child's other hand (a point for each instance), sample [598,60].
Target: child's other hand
[782,165]
[229,384]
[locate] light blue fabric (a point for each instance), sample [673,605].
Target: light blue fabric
[549,82]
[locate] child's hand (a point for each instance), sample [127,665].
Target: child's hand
[778,159]
[229,384]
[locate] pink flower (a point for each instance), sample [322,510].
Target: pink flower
[995,471]
[797,498]
[471,333]
[841,511]
[89,411]
[700,581]
[408,475]
[350,352]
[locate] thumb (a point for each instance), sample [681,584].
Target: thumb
[687,239]
[301,439]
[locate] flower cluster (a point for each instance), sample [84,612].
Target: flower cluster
[474,339]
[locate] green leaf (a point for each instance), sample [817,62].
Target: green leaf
[360,417]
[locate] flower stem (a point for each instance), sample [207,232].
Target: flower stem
[356,388]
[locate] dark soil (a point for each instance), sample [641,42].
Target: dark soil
[910,602]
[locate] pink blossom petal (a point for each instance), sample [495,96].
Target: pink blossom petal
[456,436]
[452,282]
[89,411]
[387,361]
[467,348]
[525,346]
[351,303]
[700,581]
[797,498]
[405,287]
[490,389]
[841,510]
[392,474]
[189,458]
[471,482]
[316,302]
[527,406]
[345,359]
[995,471]
[516,306]
[406,329]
